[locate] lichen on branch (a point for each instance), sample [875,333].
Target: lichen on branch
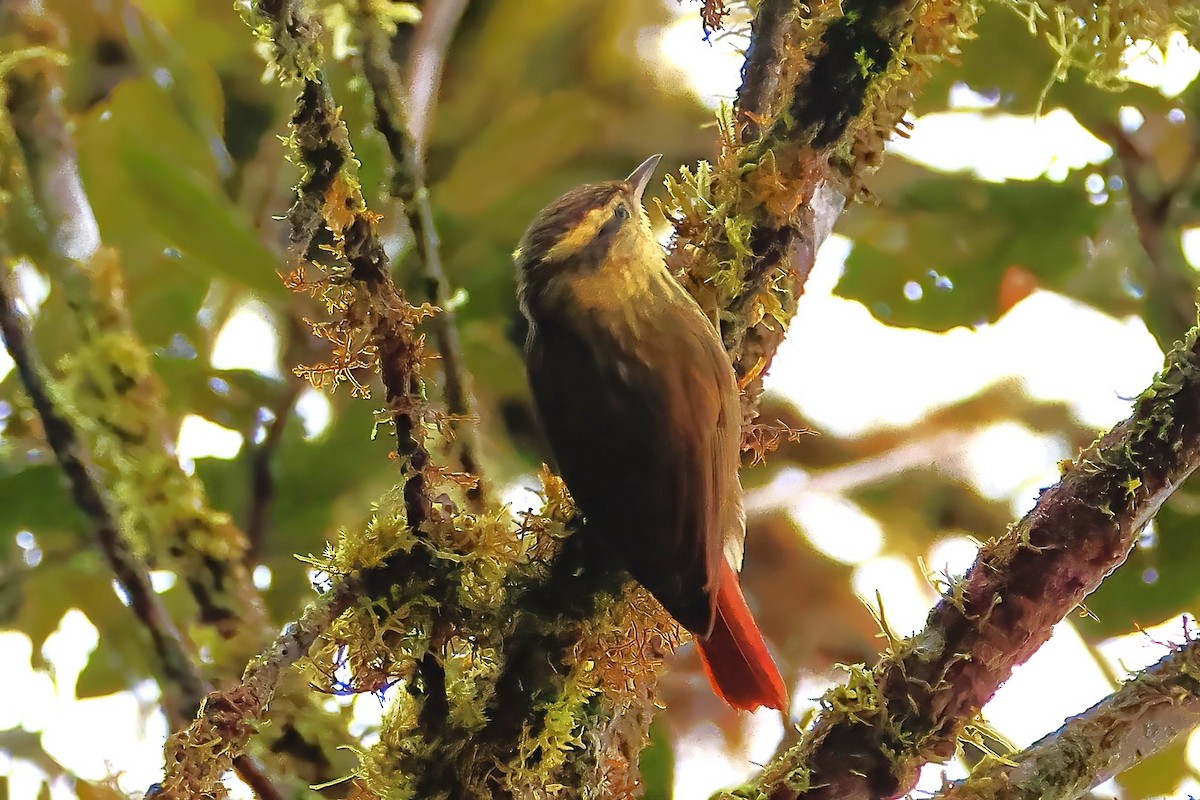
[441,588]
[911,707]
[108,382]
[1095,37]
[825,85]
[1153,709]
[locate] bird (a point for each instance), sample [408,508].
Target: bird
[640,407]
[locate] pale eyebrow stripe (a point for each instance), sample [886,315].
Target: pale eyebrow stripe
[583,233]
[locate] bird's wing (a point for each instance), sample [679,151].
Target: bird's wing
[647,440]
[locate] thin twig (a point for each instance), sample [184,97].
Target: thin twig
[940,448]
[198,540]
[404,125]
[262,481]
[427,58]
[323,146]
[183,685]
[1151,711]
[1172,290]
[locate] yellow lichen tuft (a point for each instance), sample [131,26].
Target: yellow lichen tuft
[384,767]
[290,47]
[1093,37]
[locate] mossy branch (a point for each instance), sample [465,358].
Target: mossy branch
[334,236]
[825,84]
[1150,712]
[841,75]
[109,384]
[182,684]
[873,736]
[181,678]
[404,140]
[114,399]
[201,754]
[435,607]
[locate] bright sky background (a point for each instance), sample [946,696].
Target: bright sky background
[914,370]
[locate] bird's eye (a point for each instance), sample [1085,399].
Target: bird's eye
[621,213]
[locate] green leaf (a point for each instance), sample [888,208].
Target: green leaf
[102,675]
[918,507]
[199,219]
[155,188]
[657,763]
[935,252]
[320,485]
[1008,62]
[35,498]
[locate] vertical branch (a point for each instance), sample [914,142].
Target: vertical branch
[1171,296]
[330,212]
[113,398]
[427,59]
[404,125]
[262,481]
[824,85]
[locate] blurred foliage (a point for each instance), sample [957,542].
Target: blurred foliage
[976,248]
[176,133]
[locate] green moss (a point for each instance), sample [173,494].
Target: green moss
[290,46]
[1093,37]
[385,768]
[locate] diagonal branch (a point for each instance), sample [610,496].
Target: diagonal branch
[875,734]
[1151,711]
[110,378]
[182,684]
[200,755]
[179,674]
[824,85]
[112,396]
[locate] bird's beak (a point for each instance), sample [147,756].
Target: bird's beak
[639,179]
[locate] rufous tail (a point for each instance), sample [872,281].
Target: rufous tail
[734,655]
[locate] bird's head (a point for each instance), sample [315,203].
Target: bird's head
[588,226]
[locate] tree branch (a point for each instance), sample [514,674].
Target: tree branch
[1150,712]
[182,684]
[427,58]
[113,393]
[824,85]
[333,231]
[180,675]
[874,735]
[262,481]
[1171,295]
[404,123]
[200,755]
[110,379]
[771,202]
